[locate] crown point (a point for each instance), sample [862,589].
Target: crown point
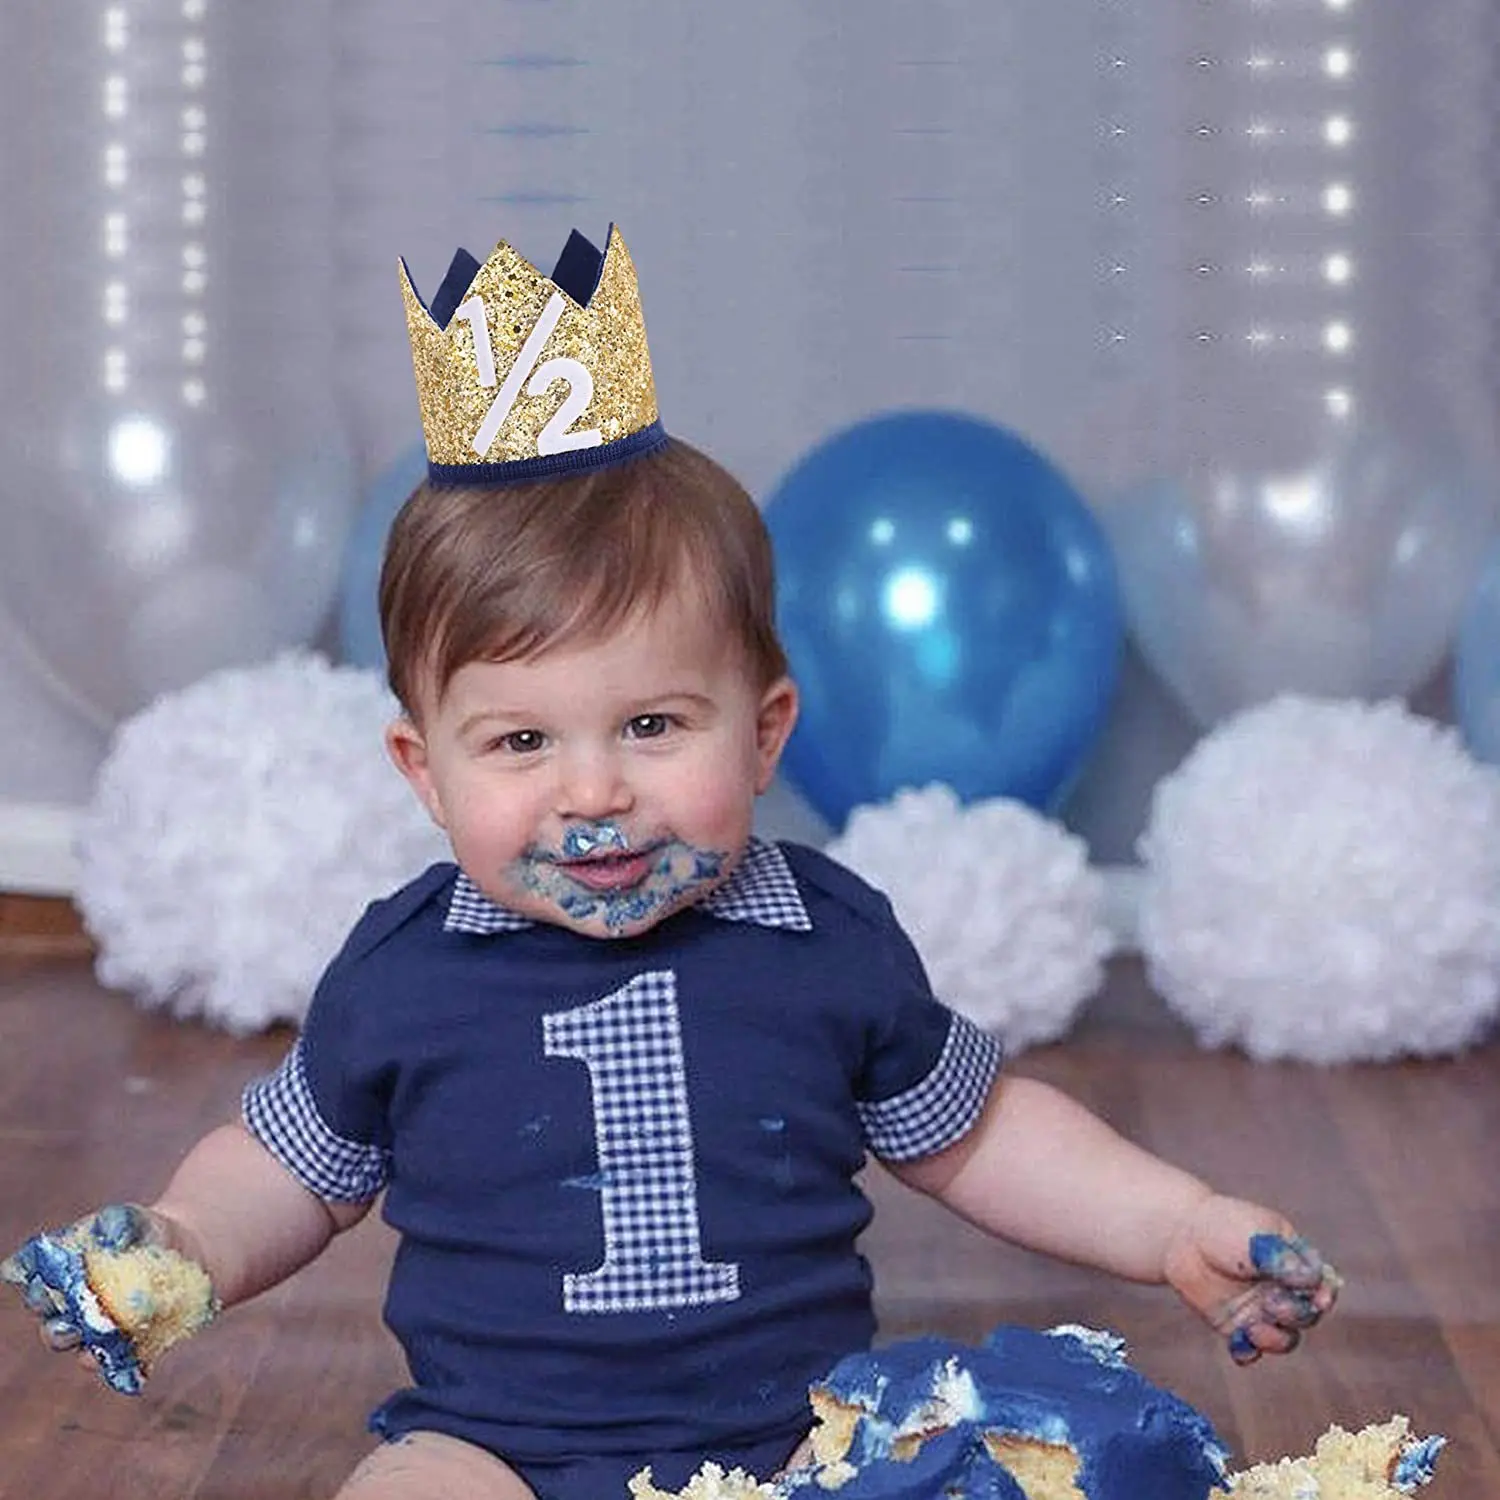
[518,374]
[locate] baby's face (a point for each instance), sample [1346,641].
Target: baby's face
[602,786]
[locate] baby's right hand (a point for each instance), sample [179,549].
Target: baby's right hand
[49,1272]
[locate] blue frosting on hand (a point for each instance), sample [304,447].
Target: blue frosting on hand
[56,1282]
[120,1226]
[1293,1262]
[1242,1347]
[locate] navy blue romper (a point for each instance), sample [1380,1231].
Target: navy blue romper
[623,1169]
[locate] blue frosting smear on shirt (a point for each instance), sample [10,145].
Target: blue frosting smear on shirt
[1068,1386]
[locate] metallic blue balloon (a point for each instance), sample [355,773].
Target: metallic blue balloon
[1476,666]
[950,609]
[359,609]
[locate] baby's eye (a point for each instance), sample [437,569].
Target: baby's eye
[522,741]
[648,726]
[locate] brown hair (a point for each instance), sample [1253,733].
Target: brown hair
[507,572]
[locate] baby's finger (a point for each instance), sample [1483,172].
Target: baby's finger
[18,1269]
[1249,1341]
[61,1334]
[1293,1262]
[1290,1309]
[41,1297]
[121,1226]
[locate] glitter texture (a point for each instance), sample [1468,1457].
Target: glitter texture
[608,337]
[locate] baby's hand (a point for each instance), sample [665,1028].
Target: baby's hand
[49,1271]
[1250,1275]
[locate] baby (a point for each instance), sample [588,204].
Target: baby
[614,1069]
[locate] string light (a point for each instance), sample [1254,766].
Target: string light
[1287,117]
[1338,199]
[1337,268]
[193,146]
[1337,337]
[115,104]
[1338,130]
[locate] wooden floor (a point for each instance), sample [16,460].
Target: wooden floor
[1394,1171]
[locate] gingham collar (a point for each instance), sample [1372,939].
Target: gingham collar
[761,890]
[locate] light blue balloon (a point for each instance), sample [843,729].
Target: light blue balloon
[1337,570]
[1476,666]
[359,613]
[950,610]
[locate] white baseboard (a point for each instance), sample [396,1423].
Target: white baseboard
[36,848]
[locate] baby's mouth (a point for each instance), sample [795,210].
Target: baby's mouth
[613,870]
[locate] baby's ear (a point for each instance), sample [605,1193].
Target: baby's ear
[407,749]
[774,721]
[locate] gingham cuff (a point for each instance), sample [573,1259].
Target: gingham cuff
[943,1106]
[281,1113]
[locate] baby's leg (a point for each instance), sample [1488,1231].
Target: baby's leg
[433,1466]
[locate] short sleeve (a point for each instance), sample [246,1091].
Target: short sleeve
[281,1112]
[324,1114]
[928,1078]
[941,1107]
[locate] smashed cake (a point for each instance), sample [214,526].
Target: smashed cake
[1029,1415]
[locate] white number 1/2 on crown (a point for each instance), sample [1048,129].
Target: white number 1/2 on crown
[555,436]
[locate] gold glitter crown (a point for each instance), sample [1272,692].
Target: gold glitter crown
[520,375]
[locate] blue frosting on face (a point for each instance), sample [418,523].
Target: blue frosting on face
[1069,1386]
[676,871]
[582,839]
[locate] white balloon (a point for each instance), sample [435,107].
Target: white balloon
[1340,572]
[175,478]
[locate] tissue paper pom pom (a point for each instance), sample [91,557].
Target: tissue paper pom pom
[236,831]
[999,902]
[1323,882]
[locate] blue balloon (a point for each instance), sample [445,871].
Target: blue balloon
[359,610]
[950,609]
[1476,666]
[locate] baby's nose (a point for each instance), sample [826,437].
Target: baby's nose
[593,786]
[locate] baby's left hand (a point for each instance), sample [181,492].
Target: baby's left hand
[1249,1274]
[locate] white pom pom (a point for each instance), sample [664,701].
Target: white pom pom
[999,902]
[236,831]
[1323,882]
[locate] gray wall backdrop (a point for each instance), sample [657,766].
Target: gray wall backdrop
[1045,212]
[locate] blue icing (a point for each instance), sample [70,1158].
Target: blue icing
[1107,1348]
[60,1269]
[954,1463]
[1241,1345]
[583,839]
[1417,1462]
[1068,1386]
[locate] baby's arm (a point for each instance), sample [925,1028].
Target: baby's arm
[1040,1170]
[233,1208]
[126,1283]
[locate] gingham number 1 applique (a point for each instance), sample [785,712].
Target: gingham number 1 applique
[631,1043]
